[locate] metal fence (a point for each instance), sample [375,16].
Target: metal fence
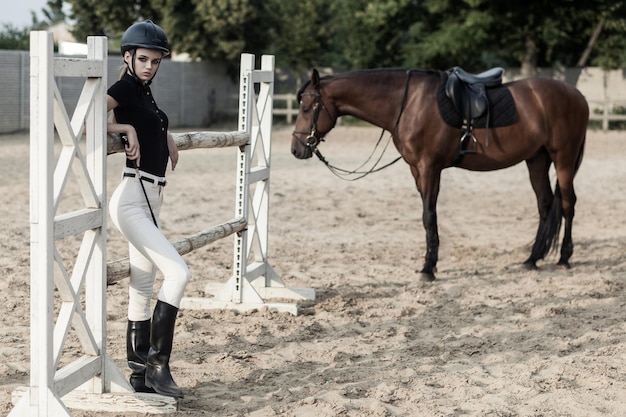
[191,93]
[196,94]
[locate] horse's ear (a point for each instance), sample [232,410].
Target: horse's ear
[315,77]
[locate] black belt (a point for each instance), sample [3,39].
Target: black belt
[150,180]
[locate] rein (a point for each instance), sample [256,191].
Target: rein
[343,173]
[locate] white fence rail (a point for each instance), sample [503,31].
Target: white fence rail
[289,109]
[607,107]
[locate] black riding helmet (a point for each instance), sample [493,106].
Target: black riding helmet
[145,34]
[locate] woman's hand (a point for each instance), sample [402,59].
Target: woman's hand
[173,150]
[128,133]
[131,146]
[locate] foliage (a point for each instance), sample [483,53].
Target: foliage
[349,34]
[108,17]
[373,33]
[302,29]
[233,26]
[53,13]
[610,51]
[12,37]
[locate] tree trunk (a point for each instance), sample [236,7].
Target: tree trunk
[529,64]
[592,41]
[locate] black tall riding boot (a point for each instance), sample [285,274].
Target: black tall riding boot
[158,376]
[137,346]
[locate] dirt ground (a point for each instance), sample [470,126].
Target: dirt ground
[486,338]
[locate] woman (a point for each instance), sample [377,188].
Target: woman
[135,207]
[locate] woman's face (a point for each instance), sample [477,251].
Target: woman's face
[146,62]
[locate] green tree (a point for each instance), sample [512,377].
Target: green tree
[448,33]
[606,42]
[219,29]
[108,17]
[372,33]
[213,28]
[234,26]
[300,34]
[52,12]
[14,38]
[183,26]
[482,33]
[351,34]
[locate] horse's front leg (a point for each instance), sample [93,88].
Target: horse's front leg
[429,219]
[428,187]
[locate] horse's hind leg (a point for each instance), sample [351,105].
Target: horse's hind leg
[567,247]
[538,168]
[568,201]
[566,165]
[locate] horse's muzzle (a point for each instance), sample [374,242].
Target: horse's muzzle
[304,153]
[301,149]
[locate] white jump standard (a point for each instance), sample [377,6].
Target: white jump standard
[93,381]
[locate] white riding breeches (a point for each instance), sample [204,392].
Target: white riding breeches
[148,247]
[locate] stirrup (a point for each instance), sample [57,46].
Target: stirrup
[468,134]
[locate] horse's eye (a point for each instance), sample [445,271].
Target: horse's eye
[305,108]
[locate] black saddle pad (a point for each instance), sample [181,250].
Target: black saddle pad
[502,111]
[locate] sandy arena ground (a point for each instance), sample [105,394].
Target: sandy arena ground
[487,338]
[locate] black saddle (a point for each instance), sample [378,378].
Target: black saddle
[468,93]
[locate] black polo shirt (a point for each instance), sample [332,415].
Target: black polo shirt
[138,108]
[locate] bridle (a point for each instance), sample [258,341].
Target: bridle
[312,140]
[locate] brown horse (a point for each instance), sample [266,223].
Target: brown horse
[549,127]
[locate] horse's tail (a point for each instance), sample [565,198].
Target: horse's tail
[547,236]
[548,233]
[581,151]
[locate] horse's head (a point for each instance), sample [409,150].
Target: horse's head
[314,119]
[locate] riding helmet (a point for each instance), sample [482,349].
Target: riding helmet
[145,34]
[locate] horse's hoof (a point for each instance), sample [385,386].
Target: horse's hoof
[530,265]
[427,276]
[564,264]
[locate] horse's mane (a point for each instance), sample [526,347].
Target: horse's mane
[373,71]
[369,71]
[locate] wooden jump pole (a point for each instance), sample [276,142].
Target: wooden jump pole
[120,269]
[192,140]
